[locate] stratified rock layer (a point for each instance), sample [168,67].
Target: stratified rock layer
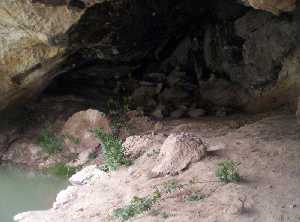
[28,48]
[274,6]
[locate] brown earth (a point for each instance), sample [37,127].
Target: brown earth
[267,146]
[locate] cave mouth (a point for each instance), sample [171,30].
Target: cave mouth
[156,56]
[173,58]
[176,56]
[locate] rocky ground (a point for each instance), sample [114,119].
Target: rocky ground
[266,146]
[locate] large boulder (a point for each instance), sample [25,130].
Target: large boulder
[29,49]
[77,131]
[177,153]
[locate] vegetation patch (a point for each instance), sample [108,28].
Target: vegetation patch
[227,171]
[49,142]
[159,213]
[62,170]
[112,149]
[137,206]
[194,197]
[93,155]
[172,186]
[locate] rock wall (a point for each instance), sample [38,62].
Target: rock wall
[243,49]
[274,6]
[27,45]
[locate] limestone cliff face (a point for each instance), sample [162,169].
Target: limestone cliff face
[274,6]
[33,40]
[27,44]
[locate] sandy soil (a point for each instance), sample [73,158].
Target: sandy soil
[267,147]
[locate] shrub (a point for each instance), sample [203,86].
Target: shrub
[194,197]
[112,149]
[172,186]
[61,169]
[137,206]
[49,142]
[228,171]
[93,155]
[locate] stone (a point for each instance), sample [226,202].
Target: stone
[174,97]
[84,176]
[134,113]
[135,146]
[177,153]
[65,196]
[77,130]
[143,94]
[274,41]
[286,90]
[141,124]
[274,6]
[25,153]
[82,158]
[158,112]
[220,92]
[177,113]
[195,113]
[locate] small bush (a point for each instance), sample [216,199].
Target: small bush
[228,171]
[62,170]
[49,142]
[112,149]
[93,155]
[137,206]
[172,186]
[194,197]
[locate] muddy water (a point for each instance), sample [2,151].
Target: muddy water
[23,190]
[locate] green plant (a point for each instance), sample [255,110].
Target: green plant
[61,169]
[112,149]
[117,104]
[227,171]
[164,215]
[49,142]
[172,186]
[74,140]
[93,155]
[137,206]
[194,197]
[159,213]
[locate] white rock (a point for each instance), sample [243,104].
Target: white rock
[65,196]
[177,153]
[83,177]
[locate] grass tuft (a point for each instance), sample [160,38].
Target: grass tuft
[112,149]
[62,170]
[194,197]
[49,142]
[172,186]
[228,171]
[137,206]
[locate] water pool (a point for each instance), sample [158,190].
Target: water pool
[23,190]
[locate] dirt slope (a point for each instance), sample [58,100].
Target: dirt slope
[269,153]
